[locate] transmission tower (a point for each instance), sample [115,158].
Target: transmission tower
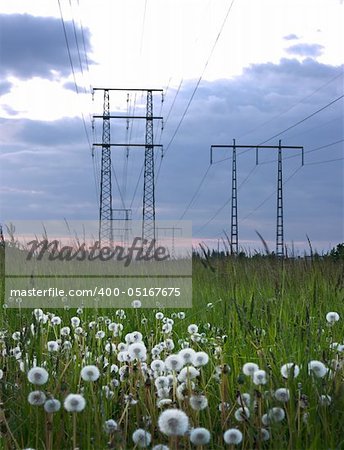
[148,216]
[173,237]
[234,217]
[105,206]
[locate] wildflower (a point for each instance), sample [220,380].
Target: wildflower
[157,365]
[90,373]
[75,321]
[332,317]
[250,368]
[188,373]
[198,402]
[167,328]
[161,382]
[259,377]
[100,334]
[173,422]
[290,369]
[276,414]
[38,313]
[200,436]
[241,414]
[141,438]
[65,331]
[38,376]
[110,426]
[163,402]
[282,394]
[110,347]
[187,355]
[244,399]
[136,303]
[55,320]
[159,315]
[317,368]
[52,405]
[169,344]
[137,351]
[181,315]
[53,346]
[1,374]
[224,406]
[325,400]
[174,362]
[232,436]
[74,403]
[264,434]
[193,328]
[36,398]
[122,347]
[200,359]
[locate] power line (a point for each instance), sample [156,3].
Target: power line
[195,194]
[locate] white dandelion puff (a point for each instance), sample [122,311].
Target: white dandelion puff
[157,365]
[332,317]
[242,414]
[56,320]
[200,436]
[164,402]
[74,403]
[325,400]
[200,359]
[110,347]
[290,370]
[232,436]
[110,426]
[38,376]
[173,422]
[259,377]
[53,346]
[282,394]
[161,382]
[160,447]
[141,438]
[137,351]
[90,373]
[317,368]
[187,355]
[174,363]
[198,402]
[159,315]
[65,331]
[264,434]
[52,405]
[75,321]
[193,328]
[188,373]
[250,368]
[244,399]
[136,303]
[276,414]
[36,398]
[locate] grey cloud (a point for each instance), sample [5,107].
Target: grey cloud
[53,158]
[5,87]
[310,50]
[291,37]
[35,46]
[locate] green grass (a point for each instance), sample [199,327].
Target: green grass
[262,311]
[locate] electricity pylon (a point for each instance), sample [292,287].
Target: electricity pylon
[280,217]
[148,210]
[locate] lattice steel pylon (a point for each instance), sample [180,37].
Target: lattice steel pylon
[148,217]
[105,206]
[234,205]
[279,223]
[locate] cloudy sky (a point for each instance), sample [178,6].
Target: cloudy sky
[254,71]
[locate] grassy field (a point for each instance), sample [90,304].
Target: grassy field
[244,311]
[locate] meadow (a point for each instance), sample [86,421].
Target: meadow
[256,363]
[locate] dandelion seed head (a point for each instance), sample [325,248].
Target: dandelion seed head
[332,317]
[264,434]
[74,403]
[200,359]
[110,426]
[188,373]
[290,370]
[52,346]
[136,303]
[36,398]
[137,351]
[317,368]
[159,315]
[244,399]
[250,368]
[90,373]
[75,321]
[173,422]
[325,400]
[198,402]
[55,320]
[200,436]
[232,436]
[52,405]
[242,414]
[174,363]
[192,328]
[38,376]
[187,355]
[282,394]
[141,438]
[276,414]
[160,447]
[259,377]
